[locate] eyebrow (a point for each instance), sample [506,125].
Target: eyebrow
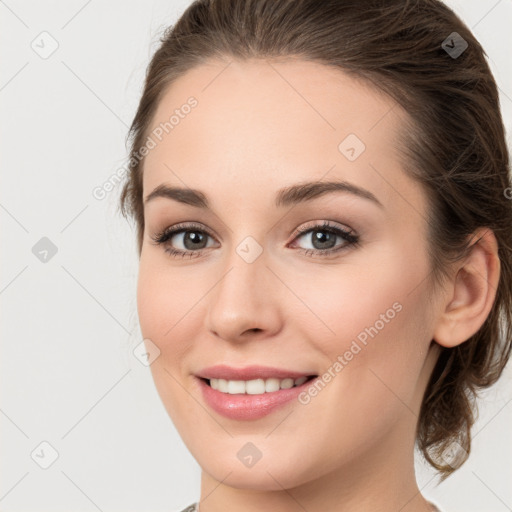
[287,196]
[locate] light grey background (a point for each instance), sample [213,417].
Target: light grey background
[69,325]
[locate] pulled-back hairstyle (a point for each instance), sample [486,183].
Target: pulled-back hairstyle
[455,146]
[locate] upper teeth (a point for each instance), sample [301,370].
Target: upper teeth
[254,387]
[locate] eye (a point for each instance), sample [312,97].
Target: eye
[194,239]
[323,238]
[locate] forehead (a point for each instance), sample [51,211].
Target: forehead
[264,124]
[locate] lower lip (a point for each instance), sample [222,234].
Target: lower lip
[249,407]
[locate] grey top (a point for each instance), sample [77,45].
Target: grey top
[191,508]
[195,508]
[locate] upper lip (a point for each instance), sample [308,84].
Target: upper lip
[249,373]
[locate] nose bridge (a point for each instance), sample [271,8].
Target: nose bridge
[244,297]
[246,269]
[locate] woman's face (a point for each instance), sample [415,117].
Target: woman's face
[352,310]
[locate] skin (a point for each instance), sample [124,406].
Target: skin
[259,126]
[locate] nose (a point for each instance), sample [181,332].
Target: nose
[246,301]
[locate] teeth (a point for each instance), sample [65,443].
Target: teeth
[300,381]
[236,386]
[256,386]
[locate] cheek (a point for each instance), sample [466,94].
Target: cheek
[163,315]
[373,367]
[169,315]
[375,317]
[160,308]
[164,300]
[152,303]
[353,297]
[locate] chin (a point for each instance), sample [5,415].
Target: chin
[272,473]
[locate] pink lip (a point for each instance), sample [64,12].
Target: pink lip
[244,406]
[248,373]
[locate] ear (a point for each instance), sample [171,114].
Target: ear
[472,292]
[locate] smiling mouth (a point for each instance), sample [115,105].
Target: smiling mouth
[256,386]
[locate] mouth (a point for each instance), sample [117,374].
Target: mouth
[253,392]
[256,386]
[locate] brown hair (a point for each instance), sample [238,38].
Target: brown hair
[455,146]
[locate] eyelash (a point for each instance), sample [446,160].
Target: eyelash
[162,237]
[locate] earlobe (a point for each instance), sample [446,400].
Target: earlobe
[472,292]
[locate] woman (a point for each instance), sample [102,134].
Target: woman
[324,227]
